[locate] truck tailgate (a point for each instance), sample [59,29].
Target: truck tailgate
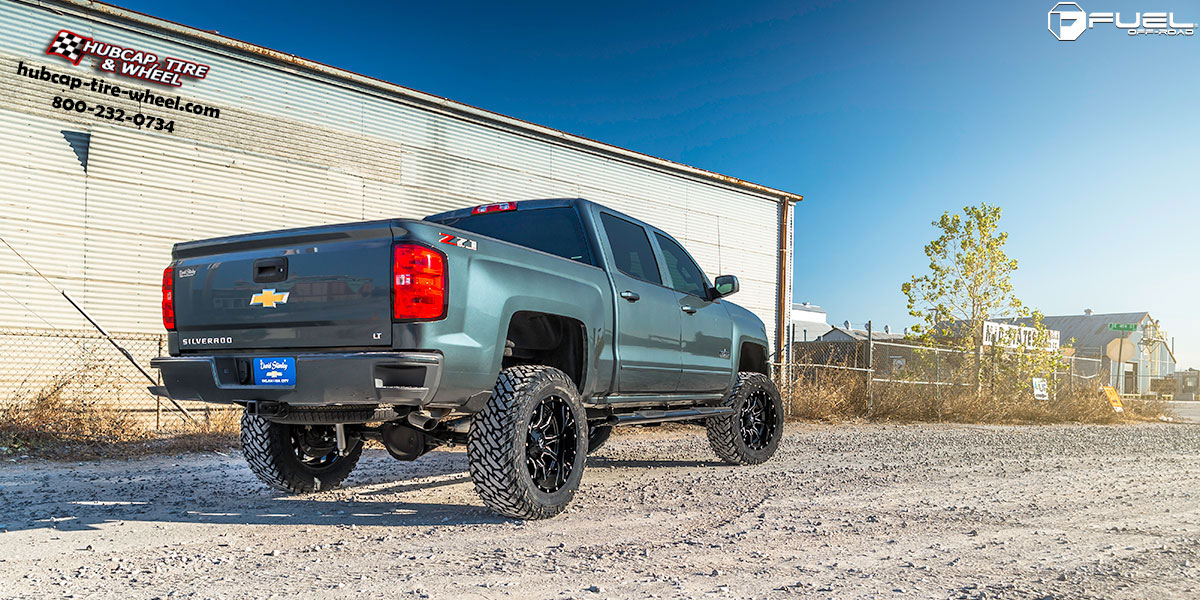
[317,287]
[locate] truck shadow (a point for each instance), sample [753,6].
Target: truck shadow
[401,488]
[81,515]
[602,462]
[382,492]
[206,489]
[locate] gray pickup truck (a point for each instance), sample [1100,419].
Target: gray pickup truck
[524,330]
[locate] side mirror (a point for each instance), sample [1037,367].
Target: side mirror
[725,285]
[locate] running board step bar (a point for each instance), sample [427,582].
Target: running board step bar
[662,416]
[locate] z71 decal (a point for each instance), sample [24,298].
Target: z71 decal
[454,240]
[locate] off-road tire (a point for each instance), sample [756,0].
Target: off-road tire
[725,434]
[597,436]
[499,434]
[268,449]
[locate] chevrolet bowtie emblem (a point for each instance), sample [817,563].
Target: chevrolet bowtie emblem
[268,298]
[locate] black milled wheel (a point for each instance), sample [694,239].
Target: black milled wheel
[528,446]
[751,434]
[597,435]
[295,458]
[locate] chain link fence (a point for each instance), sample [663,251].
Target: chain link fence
[911,364]
[906,364]
[856,378]
[84,368]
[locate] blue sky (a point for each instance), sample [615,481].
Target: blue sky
[882,114]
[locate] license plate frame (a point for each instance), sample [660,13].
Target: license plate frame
[274,371]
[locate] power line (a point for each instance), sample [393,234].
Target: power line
[108,337]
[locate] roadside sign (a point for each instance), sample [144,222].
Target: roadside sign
[1016,336]
[1114,398]
[1041,390]
[1122,326]
[1119,350]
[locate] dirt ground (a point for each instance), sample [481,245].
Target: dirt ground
[883,511]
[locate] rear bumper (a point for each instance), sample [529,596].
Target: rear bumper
[397,378]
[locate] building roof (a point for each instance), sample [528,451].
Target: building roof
[861,334]
[1090,332]
[806,307]
[430,101]
[808,331]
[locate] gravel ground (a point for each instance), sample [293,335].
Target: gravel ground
[885,511]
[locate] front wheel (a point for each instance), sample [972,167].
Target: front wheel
[296,458]
[751,434]
[528,446]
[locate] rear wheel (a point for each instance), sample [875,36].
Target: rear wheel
[296,458]
[751,434]
[528,446]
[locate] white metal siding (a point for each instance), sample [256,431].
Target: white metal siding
[290,149]
[42,212]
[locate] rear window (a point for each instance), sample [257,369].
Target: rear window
[555,231]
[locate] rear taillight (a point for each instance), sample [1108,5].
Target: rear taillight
[497,207]
[418,282]
[168,298]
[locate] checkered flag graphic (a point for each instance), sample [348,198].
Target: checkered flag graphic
[68,45]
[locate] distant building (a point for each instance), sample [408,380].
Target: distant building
[839,345]
[1089,335]
[1149,366]
[808,322]
[1187,385]
[1147,359]
[849,334]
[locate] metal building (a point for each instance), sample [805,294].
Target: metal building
[1146,360]
[809,322]
[121,134]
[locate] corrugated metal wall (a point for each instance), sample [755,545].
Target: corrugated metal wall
[96,205]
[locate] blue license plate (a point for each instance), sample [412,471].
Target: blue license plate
[275,371]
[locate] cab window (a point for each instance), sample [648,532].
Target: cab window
[685,276]
[631,249]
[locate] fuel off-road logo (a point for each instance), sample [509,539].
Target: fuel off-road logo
[1067,21]
[128,62]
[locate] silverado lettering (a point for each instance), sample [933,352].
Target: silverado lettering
[207,340]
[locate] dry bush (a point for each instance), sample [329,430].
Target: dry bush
[219,420]
[1149,409]
[73,418]
[819,394]
[835,395]
[964,404]
[215,429]
[58,422]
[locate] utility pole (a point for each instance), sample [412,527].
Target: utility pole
[937,382]
[1121,366]
[870,370]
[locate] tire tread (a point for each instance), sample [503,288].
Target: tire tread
[490,445]
[724,433]
[264,452]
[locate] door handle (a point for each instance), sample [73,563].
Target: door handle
[687,309]
[630,296]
